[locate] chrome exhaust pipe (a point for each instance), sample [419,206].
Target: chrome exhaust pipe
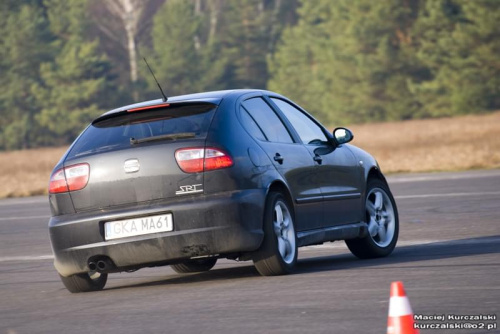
[102,265]
[92,266]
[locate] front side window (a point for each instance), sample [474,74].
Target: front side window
[308,131]
[267,120]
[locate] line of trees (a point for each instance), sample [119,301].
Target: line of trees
[64,62]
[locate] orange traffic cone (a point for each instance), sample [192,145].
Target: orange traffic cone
[400,319]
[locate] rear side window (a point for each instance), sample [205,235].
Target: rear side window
[123,129]
[251,125]
[267,120]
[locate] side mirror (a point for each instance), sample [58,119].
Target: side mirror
[342,135]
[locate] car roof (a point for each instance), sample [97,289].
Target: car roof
[214,97]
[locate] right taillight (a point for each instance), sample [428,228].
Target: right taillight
[198,159]
[69,178]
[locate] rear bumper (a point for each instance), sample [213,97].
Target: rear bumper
[224,223]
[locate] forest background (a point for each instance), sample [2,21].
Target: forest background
[63,62]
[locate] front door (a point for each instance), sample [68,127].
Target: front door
[292,160]
[336,173]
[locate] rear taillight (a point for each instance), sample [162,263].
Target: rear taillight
[215,159]
[190,160]
[69,178]
[58,182]
[195,160]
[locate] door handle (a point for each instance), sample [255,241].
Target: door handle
[318,159]
[278,158]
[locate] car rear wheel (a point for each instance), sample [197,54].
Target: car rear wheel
[278,252]
[194,266]
[383,223]
[86,282]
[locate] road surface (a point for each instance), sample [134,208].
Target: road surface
[447,257]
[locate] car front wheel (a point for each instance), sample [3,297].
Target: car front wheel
[383,223]
[278,252]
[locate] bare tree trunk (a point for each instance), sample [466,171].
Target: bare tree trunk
[128,13]
[197,12]
[215,7]
[197,7]
[130,19]
[274,26]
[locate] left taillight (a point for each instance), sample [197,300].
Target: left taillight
[69,178]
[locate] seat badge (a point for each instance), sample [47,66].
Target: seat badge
[131,166]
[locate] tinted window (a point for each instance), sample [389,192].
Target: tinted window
[251,126]
[309,132]
[268,122]
[116,131]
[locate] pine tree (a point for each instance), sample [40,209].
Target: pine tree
[297,67]
[246,33]
[349,61]
[76,81]
[23,47]
[174,57]
[376,52]
[459,42]
[186,54]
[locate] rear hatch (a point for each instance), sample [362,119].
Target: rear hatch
[131,155]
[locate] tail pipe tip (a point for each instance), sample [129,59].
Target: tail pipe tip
[92,266]
[102,265]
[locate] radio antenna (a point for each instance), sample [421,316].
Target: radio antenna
[165,98]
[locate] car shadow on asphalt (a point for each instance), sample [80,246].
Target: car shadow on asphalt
[406,254]
[401,255]
[216,274]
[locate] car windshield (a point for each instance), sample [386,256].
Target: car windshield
[126,129]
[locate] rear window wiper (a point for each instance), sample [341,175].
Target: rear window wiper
[173,136]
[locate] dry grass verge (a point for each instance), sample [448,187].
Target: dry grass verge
[460,143]
[469,142]
[27,172]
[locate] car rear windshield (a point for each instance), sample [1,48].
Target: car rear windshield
[126,129]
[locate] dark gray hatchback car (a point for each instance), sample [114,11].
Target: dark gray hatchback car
[241,174]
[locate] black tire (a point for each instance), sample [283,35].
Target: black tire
[194,266]
[373,246]
[269,260]
[85,282]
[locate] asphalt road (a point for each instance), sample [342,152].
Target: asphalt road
[447,257]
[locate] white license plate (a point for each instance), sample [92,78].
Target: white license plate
[138,226]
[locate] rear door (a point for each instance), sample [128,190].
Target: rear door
[291,159]
[132,156]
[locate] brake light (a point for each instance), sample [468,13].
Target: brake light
[156,106]
[58,182]
[195,160]
[215,159]
[69,178]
